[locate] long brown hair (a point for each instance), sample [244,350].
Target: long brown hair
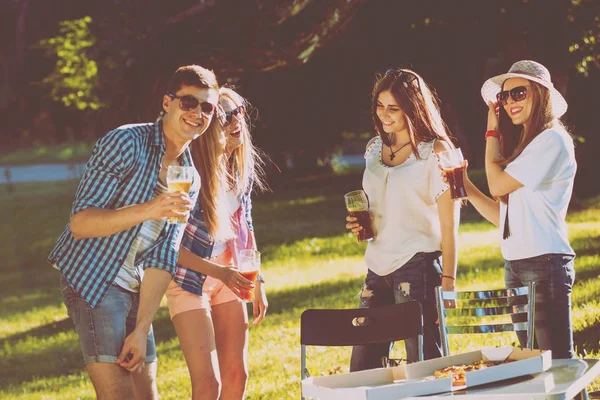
[245,165]
[419,104]
[516,137]
[209,159]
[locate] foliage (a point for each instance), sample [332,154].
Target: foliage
[40,357]
[307,61]
[584,15]
[581,20]
[74,80]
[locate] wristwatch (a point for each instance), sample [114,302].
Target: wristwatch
[260,278]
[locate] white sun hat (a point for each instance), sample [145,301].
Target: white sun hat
[532,71]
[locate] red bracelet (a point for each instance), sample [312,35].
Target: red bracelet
[493,133]
[449,277]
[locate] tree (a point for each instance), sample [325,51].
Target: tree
[120,53]
[584,23]
[274,50]
[74,80]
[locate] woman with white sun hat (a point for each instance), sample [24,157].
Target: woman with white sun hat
[530,167]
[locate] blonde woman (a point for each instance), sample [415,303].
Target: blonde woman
[204,303]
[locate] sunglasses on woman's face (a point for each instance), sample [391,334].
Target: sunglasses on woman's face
[237,112]
[517,94]
[189,103]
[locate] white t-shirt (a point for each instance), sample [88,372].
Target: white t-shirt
[403,200]
[131,274]
[537,211]
[233,202]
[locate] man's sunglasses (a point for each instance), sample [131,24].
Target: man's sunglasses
[237,112]
[189,103]
[517,94]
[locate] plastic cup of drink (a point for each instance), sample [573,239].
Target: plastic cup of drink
[452,163]
[249,268]
[179,179]
[357,205]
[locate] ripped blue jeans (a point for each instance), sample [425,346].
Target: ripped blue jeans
[415,280]
[554,275]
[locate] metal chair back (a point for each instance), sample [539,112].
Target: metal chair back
[360,326]
[519,303]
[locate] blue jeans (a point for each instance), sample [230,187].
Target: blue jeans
[415,280]
[554,275]
[102,330]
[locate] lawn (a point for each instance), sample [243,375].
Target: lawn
[309,261]
[49,154]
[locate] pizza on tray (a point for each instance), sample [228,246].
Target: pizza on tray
[458,373]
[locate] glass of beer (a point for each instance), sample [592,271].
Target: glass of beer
[179,179]
[452,163]
[357,205]
[249,267]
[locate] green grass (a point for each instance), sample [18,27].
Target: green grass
[309,261]
[49,154]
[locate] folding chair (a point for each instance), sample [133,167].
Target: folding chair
[342,327]
[471,306]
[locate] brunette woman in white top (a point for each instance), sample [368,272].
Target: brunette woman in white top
[530,167]
[415,220]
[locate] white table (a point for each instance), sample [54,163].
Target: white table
[564,380]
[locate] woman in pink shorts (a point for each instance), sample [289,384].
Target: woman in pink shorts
[203,298]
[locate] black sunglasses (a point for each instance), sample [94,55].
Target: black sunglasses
[236,112]
[517,94]
[189,103]
[403,76]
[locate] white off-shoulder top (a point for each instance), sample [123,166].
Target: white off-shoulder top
[403,200]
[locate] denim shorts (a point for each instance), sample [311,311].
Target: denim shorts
[102,330]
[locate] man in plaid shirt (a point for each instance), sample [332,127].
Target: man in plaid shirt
[118,253]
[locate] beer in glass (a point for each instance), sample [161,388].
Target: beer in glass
[249,267]
[452,163]
[179,179]
[357,205]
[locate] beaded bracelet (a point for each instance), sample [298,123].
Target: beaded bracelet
[449,277]
[493,133]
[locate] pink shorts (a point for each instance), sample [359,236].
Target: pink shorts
[214,292]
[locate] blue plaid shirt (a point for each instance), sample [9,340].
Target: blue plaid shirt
[122,171]
[197,240]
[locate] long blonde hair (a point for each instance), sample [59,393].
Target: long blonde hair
[245,166]
[208,153]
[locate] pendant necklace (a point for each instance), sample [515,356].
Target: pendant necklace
[393,152]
